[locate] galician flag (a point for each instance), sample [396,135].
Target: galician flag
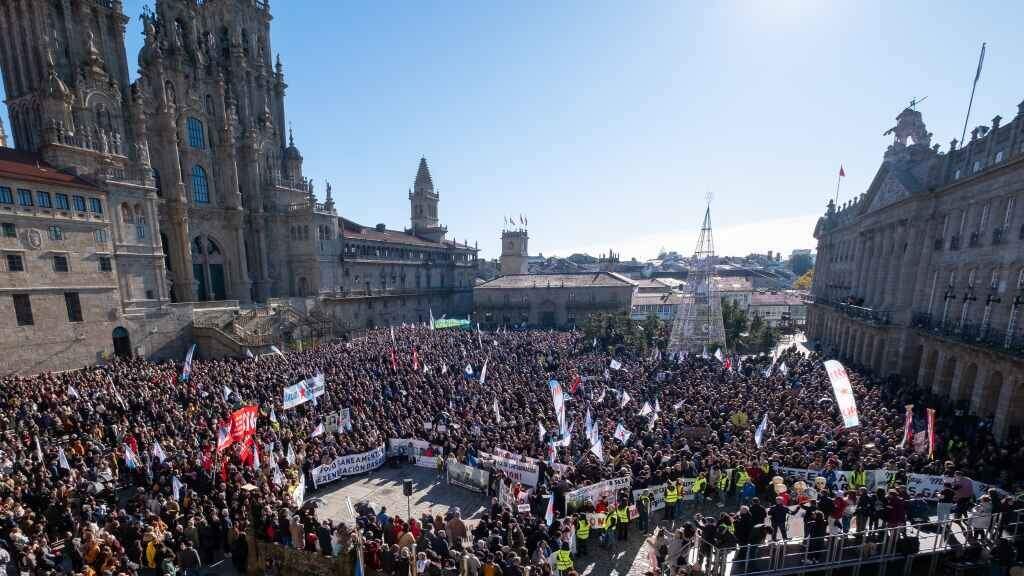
[549,513]
[483,373]
[759,433]
[624,399]
[186,371]
[621,434]
[719,356]
[540,431]
[158,452]
[62,459]
[130,459]
[646,409]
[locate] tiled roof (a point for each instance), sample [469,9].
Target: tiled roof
[584,280]
[733,284]
[30,167]
[354,231]
[656,299]
[774,299]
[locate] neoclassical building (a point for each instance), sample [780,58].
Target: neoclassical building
[199,178]
[923,274]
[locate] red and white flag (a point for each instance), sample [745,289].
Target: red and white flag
[842,173]
[224,438]
[931,433]
[908,425]
[415,360]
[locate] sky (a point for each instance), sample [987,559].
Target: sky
[607,124]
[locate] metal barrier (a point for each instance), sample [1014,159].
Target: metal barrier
[855,548]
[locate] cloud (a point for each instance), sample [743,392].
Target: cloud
[781,234]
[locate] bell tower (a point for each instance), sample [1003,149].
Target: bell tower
[514,254]
[423,201]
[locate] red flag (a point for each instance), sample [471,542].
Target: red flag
[415,361]
[394,361]
[727,364]
[208,459]
[575,384]
[248,452]
[243,423]
[931,433]
[842,173]
[224,470]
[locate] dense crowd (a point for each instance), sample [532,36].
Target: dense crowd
[85,490]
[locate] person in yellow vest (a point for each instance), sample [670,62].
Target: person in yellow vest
[671,498]
[741,482]
[622,520]
[608,528]
[644,507]
[698,489]
[582,534]
[563,560]
[859,478]
[724,481]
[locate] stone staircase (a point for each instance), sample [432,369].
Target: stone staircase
[256,329]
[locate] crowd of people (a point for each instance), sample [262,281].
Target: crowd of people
[115,469]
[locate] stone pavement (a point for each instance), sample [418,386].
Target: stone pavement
[383,487]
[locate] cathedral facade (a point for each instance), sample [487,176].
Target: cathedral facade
[198,170]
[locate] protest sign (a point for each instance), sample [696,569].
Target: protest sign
[349,465]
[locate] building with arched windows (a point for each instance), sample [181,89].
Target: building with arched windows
[922,275]
[206,200]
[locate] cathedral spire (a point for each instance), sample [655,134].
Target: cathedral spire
[424,183]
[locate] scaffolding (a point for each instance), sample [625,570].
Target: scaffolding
[698,326]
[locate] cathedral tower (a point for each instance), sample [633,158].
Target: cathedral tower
[65,73]
[423,201]
[514,254]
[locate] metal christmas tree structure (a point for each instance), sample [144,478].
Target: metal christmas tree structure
[698,325]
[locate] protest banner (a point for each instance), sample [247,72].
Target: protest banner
[331,422]
[424,453]
[467,477]
[657,493]
[509,496]
[243,423]
[303,392]
[593,493]
[349,465]
[523,472]
[844,393]
[345,420]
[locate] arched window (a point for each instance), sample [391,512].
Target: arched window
[126,213]
[140,222]
[200,187]
[196,137]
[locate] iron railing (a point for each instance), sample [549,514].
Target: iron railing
[855,549]
[987,336]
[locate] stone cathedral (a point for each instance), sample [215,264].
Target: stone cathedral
[197,182]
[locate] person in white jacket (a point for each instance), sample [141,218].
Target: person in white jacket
[981,518]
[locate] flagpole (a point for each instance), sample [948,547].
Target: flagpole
[981,59]
[839,180]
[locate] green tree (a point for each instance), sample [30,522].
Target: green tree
[804,282]
[735,322]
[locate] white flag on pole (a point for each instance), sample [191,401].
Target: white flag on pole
[497,412]
[39,450]
[646,409]
[227,393]
[62,459]
[615,365]
[718,355]
[540,431]
[783,369]
[483,373]
[72,392]
[597,448]
[158,451]
[625,398]
[621,434]
[176,486]
[759,433]
[317,431]
[276,350]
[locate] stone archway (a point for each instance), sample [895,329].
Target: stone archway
[965,387]
[988,396]
[928,368]
[878,362]
[1010,410]
[946,375]
[122,343]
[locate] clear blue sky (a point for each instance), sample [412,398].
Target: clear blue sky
[606,123]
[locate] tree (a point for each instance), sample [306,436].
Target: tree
[735,321]
[804,282]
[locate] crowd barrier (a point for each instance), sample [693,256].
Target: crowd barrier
[908,544]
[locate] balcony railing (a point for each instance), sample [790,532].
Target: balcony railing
[975,239]
[880,317]
[954,243]
[997,235]
[938,243]
[970,333]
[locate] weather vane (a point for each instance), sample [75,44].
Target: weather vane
[914,102]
